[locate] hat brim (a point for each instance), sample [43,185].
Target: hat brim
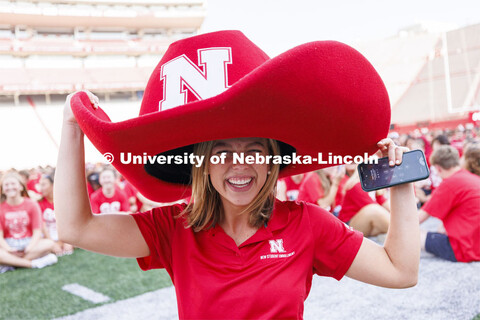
[318,97]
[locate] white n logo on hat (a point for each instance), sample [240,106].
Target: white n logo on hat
[181,74]
[276,246]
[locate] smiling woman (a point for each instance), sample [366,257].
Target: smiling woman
[234,251]
[21,241]
[235,188]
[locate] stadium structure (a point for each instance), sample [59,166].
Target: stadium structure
[49,48]
[59,46]
[433,78]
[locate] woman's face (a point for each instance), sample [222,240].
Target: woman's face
[46,187]
[107,179]
[11,187]
[238,184]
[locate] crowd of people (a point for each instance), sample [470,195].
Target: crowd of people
[451,193]
[28,231]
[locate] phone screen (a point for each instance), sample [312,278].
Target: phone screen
[381,175]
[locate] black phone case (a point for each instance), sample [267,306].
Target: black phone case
[398,183]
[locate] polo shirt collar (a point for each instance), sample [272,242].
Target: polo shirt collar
[279,220]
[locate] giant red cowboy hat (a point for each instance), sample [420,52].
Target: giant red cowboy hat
[318,97]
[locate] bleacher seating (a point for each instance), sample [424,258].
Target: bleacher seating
[39,59]
[105,53]
[72,46]
[399,59]
[447,86]
[62,80]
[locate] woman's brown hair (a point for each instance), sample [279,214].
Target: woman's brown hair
[13,174]
[472,158]
[205,207]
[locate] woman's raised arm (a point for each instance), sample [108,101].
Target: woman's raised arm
[394,265]
[111,234]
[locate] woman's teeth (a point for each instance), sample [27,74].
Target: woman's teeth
[239,182]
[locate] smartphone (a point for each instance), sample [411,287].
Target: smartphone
[381,175]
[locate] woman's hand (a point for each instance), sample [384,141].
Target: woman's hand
[15,252]
[388,148]
[68,116]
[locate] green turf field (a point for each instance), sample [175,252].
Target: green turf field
[37,293]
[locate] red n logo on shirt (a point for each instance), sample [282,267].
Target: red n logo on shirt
[181,73]
[276,246]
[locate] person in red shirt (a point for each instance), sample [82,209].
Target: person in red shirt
[289,187]
[234,244]
[31,183]
[93,184]
[109,198]
[366,212]
[34,181]
[21,243]
[311,189]
[317,188]
[48,216]
[131,193]
[363,213]
[349,170]
[456,203]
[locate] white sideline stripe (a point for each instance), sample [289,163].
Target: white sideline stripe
[85,293]
[159,305]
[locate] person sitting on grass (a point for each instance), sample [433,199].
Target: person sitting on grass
[360,211]
[457,203]
[21,242]
[48,216]
[109,198]
[317,188]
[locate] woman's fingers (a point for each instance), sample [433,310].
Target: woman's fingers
[379,154]
[93,99]
[399,154]
[391,154]
[388,148]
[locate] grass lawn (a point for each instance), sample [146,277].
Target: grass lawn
[38,294]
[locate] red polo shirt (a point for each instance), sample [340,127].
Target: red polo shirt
[268,276]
